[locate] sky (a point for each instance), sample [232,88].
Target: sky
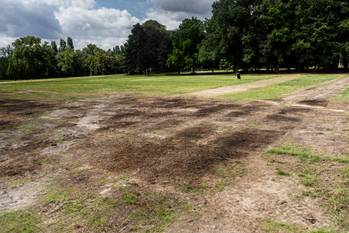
[106,23]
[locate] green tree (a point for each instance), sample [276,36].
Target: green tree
[186,42]
[70,43]
[62,45]
[135,50]
[68,63]
[30,58]
[147,48]
[54,46]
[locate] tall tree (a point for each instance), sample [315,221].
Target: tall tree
[135,50]
[70,43]
[54,46]
[30,59]
[62,45]
[147,47]
[233,32]
[186,42]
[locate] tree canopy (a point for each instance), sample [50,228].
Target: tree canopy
[241,34]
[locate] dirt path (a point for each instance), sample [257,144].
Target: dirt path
[320,93]
[244,87]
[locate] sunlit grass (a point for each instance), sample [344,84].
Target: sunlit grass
[280,90]
[158,85]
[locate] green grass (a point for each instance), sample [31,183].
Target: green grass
[130,198]
[345,172]
[86,209]
[344,96]
[315,172]
[306,154]
[294,150]
[281,172]
[145,211]
[19,221]
[26,128]
[271,226]
[155,211]
[91,86]
[308,179]
[280,90]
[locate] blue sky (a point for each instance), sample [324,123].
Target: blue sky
[135,7]
[103,22]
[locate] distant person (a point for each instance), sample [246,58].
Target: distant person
[238,75]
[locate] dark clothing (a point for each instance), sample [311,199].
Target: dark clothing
[238,75]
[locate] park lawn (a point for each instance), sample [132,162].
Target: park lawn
[142,85]
[277,91]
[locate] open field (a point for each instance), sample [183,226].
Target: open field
[141,85]
[150,154]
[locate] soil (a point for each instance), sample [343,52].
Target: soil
[170,143]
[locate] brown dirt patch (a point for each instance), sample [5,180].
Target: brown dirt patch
[294,110]
[24,107]
[208,110]
[174,159]
[315,102]
[196,132]
[282,118]
[20,165]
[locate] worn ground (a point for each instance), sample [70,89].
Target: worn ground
[121,163]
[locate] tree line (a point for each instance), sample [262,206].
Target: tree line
[30,58]
[241,34]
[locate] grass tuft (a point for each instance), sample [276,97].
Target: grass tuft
[308,180]
[19,221]
[130,198]
[306,154]
[345,172]
[271,226]
[294,150]
[281,172]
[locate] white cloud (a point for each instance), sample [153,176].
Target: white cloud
[201,7]
[85,22]
[100,26]
[171,13]
[170,19]
[54,19]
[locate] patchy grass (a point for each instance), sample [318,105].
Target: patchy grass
[344,96]
[306,154]
[92,86]
[130,198]
[345,172]
[280,90]
[22,221]
[281,172]
[324,176]
[308,179]
[271,226]
[26,128]
[83,208]
[155,212]
[294,150]
[139,211]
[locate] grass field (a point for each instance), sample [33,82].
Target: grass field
[154,85]
[280,90]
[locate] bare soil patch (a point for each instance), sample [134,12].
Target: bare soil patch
[315,102]
[123,148]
